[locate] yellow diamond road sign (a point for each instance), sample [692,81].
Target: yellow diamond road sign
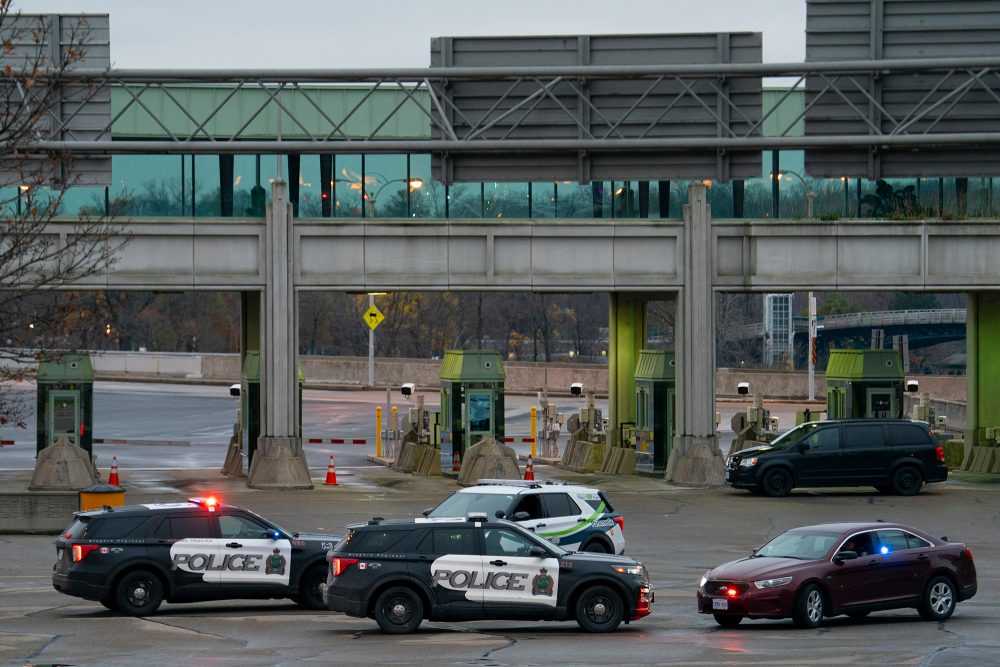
[373,317]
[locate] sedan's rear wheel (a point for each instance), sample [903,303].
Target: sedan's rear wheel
[777,482]
[809,607]
[939,600]
[727,621]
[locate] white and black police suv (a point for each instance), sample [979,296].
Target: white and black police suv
[403,571]
[132,558]
[577,518]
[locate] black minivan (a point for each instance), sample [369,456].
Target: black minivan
[893,455]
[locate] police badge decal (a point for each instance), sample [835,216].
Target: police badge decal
[275,564]
[542,583]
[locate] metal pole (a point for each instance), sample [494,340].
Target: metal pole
[534,431]
[812,347]
[371,343]
[378,431]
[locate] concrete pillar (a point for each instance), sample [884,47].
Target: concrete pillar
[982,363]
[280,462]
[626,336]
[695,457]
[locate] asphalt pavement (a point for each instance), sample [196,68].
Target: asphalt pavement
[677,532]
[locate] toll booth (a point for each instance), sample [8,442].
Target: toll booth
[864,384]
[655,389]
[65,407]
[471,401]
[250,403]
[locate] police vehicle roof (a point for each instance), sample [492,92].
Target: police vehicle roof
[148,508]
[499,486]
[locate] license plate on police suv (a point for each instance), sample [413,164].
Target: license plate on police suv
[720,604]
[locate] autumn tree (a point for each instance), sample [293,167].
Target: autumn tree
[40,254]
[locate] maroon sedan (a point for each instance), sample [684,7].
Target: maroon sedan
[841,568]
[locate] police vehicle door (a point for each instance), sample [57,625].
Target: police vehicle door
[251,558]
[514,579]
[449,561]
[564,521]
[187,547]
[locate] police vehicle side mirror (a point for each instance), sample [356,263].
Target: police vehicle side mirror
[427,512]
[521,516]
[844,555]
[538,552]
[499,514]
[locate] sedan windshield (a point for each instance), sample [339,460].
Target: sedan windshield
[799,544]
[460,504]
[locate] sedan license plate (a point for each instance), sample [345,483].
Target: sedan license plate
[720,604]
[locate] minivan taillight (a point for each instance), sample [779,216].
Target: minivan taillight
[341,564]
[621,523]
[939,453]
[80,551]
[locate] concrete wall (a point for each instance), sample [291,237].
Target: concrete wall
[521,376]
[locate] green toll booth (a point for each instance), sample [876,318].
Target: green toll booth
[471,401]
[655,390]
[250,403]
[864,384]
[65,401]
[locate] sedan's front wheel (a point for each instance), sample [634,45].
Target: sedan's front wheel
[809,605]
[727,621]
[939,600]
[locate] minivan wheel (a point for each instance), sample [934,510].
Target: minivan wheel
[777,482]
[907,481]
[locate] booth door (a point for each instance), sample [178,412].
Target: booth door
[479,411]
[64,416]
[880,404]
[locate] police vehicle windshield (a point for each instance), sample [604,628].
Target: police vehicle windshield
[461,505]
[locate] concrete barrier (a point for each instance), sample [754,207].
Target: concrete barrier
[38,511]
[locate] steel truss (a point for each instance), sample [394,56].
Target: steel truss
[564,91]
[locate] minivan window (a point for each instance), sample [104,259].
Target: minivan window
[823,439]
[863,436]
[903,435]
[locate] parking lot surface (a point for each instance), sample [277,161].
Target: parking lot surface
[677,532]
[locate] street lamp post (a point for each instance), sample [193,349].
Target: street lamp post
[411,184]
[810,195]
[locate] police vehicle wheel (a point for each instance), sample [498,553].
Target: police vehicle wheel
[939,599]
[809,607]
[777,483]
[595,546]
[907,481]
[599,609]
[726,620]
[311,588]
[399,611]
[139,593]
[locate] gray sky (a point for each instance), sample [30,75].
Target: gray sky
[315,34]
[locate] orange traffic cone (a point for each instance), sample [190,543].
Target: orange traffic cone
[113,475]
[529,470]
[456,463]
[331,474]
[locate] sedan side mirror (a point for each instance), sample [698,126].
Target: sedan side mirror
[538,552]
[845,555]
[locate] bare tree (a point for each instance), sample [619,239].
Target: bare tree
[40,254]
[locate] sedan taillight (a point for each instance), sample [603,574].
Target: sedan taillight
[968,553]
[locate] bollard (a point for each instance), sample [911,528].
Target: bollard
[534,431]
[394,428]
[378,431]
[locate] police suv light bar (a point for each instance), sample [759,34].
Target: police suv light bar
[528,484]
[475,516]
[211,503]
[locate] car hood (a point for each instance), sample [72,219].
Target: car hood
[591,557]
[762,567]
[753,451]
[317,537]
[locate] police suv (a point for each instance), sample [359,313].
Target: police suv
[403,571]
[132,558]
[577,518]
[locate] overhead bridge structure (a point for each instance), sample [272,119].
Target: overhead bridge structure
[591,109]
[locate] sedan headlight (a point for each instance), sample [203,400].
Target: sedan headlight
[704,580]
[749,462]
[772,583]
